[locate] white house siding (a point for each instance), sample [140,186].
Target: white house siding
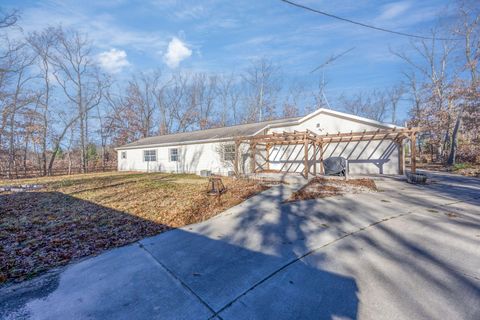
[192,158]
[365,157]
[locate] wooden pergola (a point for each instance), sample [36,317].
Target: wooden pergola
[319,142]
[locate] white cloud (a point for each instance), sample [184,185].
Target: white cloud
[114,60]
[393,10]
[176,52]
[102,28]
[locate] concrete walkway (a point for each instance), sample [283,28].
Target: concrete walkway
[407,252]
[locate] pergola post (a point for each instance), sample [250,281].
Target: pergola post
[322,168]
[305,170]
[252,157]
[314,158]
[237,150]
[401,158]
[413,152]
[267,156]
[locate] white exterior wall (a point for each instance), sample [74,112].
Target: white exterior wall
[192,159]
[364,157]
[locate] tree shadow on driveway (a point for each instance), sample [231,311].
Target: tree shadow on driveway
[132,282]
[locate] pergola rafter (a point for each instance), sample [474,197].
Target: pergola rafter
[307,138]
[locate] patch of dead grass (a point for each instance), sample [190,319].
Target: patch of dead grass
[325,187]
[78,216]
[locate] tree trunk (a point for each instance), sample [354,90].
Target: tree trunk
[453,149]
[25,155]
[82,142]
[11,149]
[57,145]
[45,121]
[69,164]
[52,158]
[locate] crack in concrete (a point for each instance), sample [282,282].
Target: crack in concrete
[321,247]
[174,276]
[300,258]
[216,314]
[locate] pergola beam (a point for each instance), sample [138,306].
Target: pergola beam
[300,137]
[308,137]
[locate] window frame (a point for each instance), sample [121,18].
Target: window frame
[231,152]
[170,154]
[150,156]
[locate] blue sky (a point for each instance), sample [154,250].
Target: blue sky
[225,36]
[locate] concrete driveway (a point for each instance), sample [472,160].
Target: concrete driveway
[407,252]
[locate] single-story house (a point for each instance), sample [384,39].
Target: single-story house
[214,149]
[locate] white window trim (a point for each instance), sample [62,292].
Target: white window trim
[225,153]
[156,155]
[170,154]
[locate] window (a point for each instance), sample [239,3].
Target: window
[149,155]
[229,152]
[174,154]
[124,155]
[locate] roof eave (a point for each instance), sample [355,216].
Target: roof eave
[170,144]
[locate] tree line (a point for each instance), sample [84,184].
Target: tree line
[59,110]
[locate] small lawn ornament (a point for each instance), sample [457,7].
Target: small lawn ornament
[216,186]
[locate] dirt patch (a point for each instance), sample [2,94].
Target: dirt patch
[269,171]
[78,216]
[323,187]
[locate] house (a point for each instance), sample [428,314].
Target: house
[227,149]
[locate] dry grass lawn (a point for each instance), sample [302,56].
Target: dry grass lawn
[81,215]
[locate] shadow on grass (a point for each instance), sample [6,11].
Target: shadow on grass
[41,230]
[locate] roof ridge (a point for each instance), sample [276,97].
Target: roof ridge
[231,126]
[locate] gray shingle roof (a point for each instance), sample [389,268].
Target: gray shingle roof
[208,134]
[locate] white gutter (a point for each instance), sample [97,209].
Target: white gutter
[169,144]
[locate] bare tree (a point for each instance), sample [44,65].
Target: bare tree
[373,105]
[203,94]
[262,90]
[78,76]
[469,31]
[141,96]
[8,19]
[20,96]
[179,102]
[394,95]
[43,43]
[229,97]
[292,100]
[432,64]
[417,110]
